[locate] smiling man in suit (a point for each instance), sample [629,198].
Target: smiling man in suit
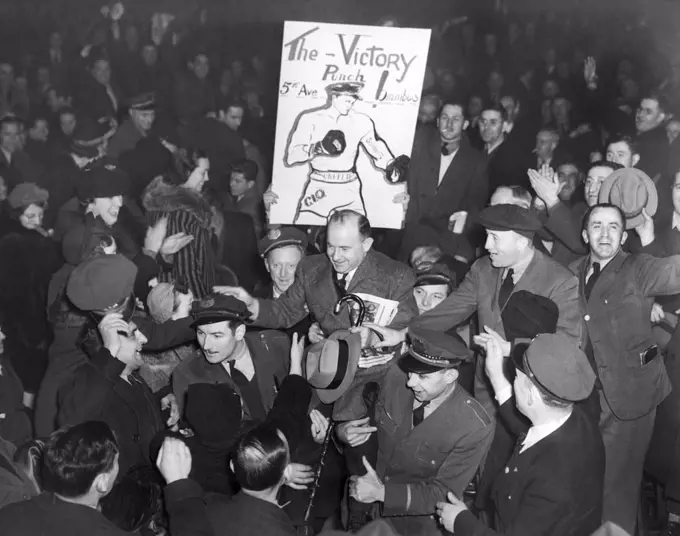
[253,364]
[447,185]
[512,265]
[350,265]
[616,294]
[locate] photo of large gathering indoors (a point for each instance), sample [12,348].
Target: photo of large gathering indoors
[387,268]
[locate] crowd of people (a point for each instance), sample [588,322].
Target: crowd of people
[173,364]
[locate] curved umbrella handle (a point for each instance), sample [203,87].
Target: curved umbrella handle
[359,319]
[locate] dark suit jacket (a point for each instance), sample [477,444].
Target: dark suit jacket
[96,392]
[554,488]
[94,101]
[314,287]
[420,465]
[617,318]
[478,293]
[246,515]
[270,352]
[47,514]
[267,292]
[463,187]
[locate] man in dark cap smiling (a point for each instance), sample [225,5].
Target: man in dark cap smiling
[253,364]
[553,483]
[142,113]
[432,435]
[512,265]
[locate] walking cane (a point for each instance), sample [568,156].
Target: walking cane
[356,315]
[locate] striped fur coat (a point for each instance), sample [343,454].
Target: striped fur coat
[190,213]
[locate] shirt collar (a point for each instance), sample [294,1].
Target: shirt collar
[536,433]
[676,221]
[519,269]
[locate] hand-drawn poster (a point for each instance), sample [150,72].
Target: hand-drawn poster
[348,105]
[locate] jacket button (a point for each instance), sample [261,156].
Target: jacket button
[586,318]
[135,438]
[507,470]
[432,462]
[509,496]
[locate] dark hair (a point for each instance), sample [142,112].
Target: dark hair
[76,455]
[551,401]
[632,144]
[261,458]
[604,163]
[344,215]
[589,212]
[247,168]
[491,107]
[225,104]
[11,120]
[661,100]
[459,103]
[136,500]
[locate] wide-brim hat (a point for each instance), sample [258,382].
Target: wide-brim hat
[631,190]
[332,363]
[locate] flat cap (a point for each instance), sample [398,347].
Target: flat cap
[438,274]
[510,218]
[26,194]
[103,179]
[218,308]
[143,103]
[346,88]
[101,282]
[279,238]
[556,365]
[430,351]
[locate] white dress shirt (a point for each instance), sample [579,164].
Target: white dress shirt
[243,364]
[444,164]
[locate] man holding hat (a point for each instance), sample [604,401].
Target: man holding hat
[512,265]
[432,435]
[553,482]
[142,113]
[253,364]
[328,141]
[616,295]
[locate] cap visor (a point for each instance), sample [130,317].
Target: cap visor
[408,363]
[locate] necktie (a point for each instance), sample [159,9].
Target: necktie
[592,279]
[445,150]
[239,378]
[506,289]
[419,414]
[342,281]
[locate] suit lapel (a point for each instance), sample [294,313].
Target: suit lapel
[264,376]
[607,277]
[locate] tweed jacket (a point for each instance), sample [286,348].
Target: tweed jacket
[478,293]
[314,288]
[617,319]
[420,465]
[270,352]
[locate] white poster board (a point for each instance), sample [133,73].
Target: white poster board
[348,105]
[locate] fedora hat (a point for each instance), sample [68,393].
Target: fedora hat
[631,190]
[332,363]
